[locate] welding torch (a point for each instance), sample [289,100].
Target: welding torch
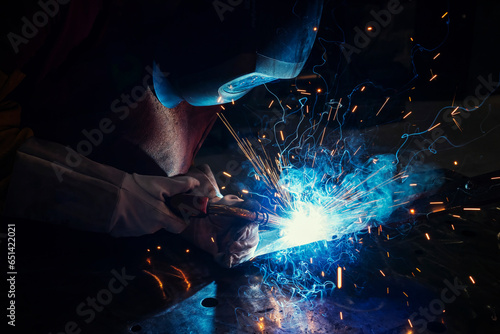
[200,206]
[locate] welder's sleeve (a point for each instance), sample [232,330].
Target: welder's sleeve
[51,183]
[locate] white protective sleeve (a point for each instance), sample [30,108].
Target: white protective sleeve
[54,184]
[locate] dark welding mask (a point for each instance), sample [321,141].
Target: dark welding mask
[214,52]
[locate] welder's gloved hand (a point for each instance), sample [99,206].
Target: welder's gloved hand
[231,241]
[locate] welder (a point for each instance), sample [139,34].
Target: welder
[117,97]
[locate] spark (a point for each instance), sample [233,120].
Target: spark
[341,316]
[457,124]
[382,273]
[356,151]
[437,55]
[435,126]
[496,178]
[408,114]
[444,15]
[383,105]
[455,163]
[183,277]
[427,236]
[472,280]
[433,77]
[409,322]
[472,209]
[339,277]
[227,174]
[261,323]
[158,280]
[354,109]
[336,110]
[270,104]
[322,136]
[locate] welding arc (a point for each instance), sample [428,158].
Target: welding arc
[261,218]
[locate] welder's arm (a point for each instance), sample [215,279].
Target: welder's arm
[49,184]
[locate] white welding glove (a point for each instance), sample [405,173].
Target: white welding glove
[53,184]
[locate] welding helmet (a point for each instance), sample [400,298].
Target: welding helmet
[214,52]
